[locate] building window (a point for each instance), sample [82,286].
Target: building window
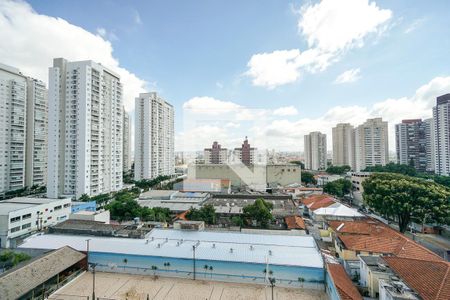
[27,216]
[66,205]
[15,229]
[58,207]
[25,226]
[15,219]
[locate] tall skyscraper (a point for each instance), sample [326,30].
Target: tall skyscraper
[36,146]
[245,154]
[23,121]
[154,137]
[216,154]
[371,144]
[126,142]
[85,129]
[344,145]
[316,151]
[441,116]
[411,143]
[430,144]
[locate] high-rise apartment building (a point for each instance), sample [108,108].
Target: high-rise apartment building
[36,146]
[371,144]
[216,154]
[154,137]
[245,154]
[85,129]
[126,142]
[430,144]
[315,151]
[23,121]
[441,117]
[411,143]
[344,145]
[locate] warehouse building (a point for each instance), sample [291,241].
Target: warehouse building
[294,261]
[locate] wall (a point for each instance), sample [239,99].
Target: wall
[221,270]
[331,288]
[240,175]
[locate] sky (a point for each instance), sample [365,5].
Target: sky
[268,69]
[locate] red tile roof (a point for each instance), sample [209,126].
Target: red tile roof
[373,236]
[321,203]
[295,222]
[430,279]
[343,284]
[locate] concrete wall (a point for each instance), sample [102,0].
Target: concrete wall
[259,176]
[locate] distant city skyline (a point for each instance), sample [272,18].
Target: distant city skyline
[297,68]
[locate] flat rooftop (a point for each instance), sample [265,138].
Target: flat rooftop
[221,246]
[6,207]
[29,200]
[136,287]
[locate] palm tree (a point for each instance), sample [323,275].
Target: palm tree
[125,261]
[154,268]
[211,269]
[206,269]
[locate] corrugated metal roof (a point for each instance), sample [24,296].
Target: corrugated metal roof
[21,280]
[222,246]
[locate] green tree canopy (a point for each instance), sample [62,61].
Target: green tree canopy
[206,213]
[146,184]
[259,211]
[338,188]
[407,199]
[393,168]
[308,178]
[338,170]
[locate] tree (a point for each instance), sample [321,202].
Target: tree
[308,178]
[393,168]
[338,188]
[84,198]
[206,213]
[338,170]
[297,162]
[260,211]
[407,199]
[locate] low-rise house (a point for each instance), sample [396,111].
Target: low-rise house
[295,223]
[372,269]
[314,202]
[20,217]
[335,211]
[338,284]
[430,280]
[99,215]
[371,237]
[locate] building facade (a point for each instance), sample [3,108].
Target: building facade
[216,154]
[411,143]
[20,217]
[85,129]
[344,145]
[371,144]
[316,151]
[441,117]
[36,144]
[154,137]
[245,154]
[126,151]
[430,144]
[23,123]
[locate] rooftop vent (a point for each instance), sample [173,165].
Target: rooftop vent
[270,252]
[214,246]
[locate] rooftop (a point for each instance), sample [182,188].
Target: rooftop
[338,210]
[343,284]
[430,279]
[6,207]
[295,222]
[373,236]
[20,280]
[224,246]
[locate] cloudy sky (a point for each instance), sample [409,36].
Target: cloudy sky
[268,69]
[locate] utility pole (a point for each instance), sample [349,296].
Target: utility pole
[93,281]
[272,284]
[193,248]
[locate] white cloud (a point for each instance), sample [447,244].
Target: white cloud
[331,28]
[111,36]
[348,76]
[137,18]
[286,111]
[414,25]
[35,39]
[283,134]
[209,105]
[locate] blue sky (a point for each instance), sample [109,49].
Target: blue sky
[189,49]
